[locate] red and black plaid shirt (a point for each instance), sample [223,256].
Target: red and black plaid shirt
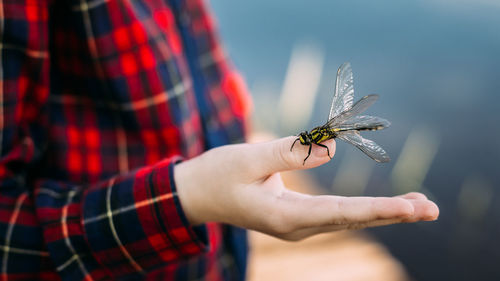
[98,99]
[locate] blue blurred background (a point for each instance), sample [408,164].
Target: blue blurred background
[436,66]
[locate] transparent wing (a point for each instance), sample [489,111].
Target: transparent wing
[359,107]
[364,122]
[344,91]
[370,148]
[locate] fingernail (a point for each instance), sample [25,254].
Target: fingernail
[327,150]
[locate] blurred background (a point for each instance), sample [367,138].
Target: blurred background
[435,65]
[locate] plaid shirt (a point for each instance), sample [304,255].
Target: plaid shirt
[98,100]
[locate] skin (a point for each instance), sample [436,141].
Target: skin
[241,185]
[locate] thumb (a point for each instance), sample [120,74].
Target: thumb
[278,155]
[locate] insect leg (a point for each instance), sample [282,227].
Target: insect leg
[327,150]
[308,153]
[294,143]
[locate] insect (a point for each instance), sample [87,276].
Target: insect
[344,121]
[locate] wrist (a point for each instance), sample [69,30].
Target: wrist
[187,193]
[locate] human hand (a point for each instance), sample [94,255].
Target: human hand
[241,185]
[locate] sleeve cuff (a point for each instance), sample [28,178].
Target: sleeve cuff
[198,234]
[136,223]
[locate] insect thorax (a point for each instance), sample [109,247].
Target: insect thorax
[319,134]
[305,138]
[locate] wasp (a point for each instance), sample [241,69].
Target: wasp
[344,121]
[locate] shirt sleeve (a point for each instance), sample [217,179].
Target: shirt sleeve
[129,224]
[125,226]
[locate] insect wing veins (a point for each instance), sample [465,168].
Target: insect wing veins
[343,95]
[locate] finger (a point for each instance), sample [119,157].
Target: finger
[276,156]
[425,210]
[310,231]
[378,212]
[413,195]
[317,211]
